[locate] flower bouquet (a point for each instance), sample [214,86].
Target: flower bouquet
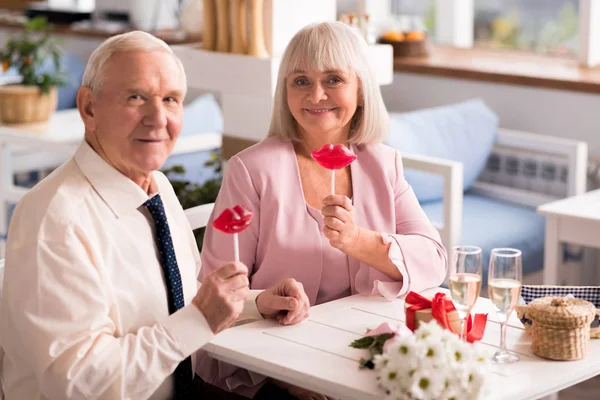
[433,363]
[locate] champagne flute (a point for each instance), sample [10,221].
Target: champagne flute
[504,282]
[465,281]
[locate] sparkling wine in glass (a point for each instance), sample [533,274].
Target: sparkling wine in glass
[464,281]
[504,286]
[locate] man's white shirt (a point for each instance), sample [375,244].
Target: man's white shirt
[84,305]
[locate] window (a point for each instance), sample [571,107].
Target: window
[548,27]
[414,15]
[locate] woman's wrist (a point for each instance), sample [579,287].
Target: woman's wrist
[355,249]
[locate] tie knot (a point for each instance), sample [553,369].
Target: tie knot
[154,201]
[155,206]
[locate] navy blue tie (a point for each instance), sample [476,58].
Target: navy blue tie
[183,372]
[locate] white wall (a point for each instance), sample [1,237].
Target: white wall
[552,112]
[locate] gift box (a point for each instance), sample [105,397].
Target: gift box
[419,309]
[425,315]
[533,292]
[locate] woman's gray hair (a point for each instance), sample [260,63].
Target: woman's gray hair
[130,41]
[331,46]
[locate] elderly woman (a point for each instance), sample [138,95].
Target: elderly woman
[371,237]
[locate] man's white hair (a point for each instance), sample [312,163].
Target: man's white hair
[130,41]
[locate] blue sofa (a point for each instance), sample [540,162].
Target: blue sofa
[503,182]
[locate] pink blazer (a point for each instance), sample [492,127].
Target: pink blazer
[283,240]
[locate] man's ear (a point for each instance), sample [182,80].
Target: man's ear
[85,105]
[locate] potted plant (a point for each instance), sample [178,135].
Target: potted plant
[35,98]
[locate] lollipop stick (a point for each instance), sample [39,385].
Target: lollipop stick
[236,247]
[333,181]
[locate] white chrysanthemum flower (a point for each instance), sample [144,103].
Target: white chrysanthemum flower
[399,396]
[380,361]
[405,353]
[432,364]
[436,354]
[453,392]
[481,354]
[459,352]
[448,336]
[459,373]
[426,385]
[427,329]
[476,381]
[470,378]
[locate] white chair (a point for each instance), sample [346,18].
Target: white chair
[198,216]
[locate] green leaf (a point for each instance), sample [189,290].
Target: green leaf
[176,169]
[36,24]
[29,50]
[363,343]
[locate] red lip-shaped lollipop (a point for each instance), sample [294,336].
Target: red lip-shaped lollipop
[332,156]
[233,220]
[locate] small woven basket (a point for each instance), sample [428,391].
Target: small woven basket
[21,104]
[560,329]
[532,292]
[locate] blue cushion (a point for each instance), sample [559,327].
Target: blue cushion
[67,95]
[73,67]
[462,132]
[489,223]
[202,115]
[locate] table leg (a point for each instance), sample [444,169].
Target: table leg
[552,252]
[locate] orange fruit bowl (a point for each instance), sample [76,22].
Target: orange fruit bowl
[406,44]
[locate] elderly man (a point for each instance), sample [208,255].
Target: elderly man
[100,299]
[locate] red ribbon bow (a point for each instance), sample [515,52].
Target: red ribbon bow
[440,307]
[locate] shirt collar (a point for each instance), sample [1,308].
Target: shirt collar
[120,193]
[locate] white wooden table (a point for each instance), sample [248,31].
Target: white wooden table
[32,145]
[573,220]
[315,353]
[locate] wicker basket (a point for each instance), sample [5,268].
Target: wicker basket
[560,329]
[21,104]
[532,292]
